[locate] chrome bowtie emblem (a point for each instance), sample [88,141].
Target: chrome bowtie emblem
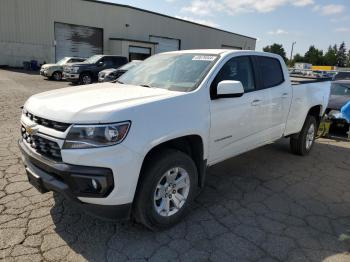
[32,129]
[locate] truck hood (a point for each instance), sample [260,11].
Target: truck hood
[48,65]
[80,64]
[93,103]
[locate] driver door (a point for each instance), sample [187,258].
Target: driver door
[234,120]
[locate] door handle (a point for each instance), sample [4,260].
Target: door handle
[256,102]
[285,95]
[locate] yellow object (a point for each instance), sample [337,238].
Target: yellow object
[323,68]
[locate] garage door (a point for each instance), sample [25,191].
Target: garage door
[76,40]
[139,53]
[165,44]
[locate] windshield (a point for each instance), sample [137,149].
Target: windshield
[172,71]
[93,59]
[130,65]
[340,89]
[63,61]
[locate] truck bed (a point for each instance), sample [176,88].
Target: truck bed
[299,80]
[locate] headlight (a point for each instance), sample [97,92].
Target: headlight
[75,69]
[92,136]
[335,114]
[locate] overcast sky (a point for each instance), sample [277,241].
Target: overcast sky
[308,22]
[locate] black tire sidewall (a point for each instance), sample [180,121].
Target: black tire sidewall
[153,174]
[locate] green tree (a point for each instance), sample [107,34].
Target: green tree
[314,56]
[341,55]
[298,58]
[330,58]
[348,59]
[276,49]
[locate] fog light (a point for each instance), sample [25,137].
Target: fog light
[91,185]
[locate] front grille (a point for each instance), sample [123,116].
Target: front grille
[59,126]
[42,145]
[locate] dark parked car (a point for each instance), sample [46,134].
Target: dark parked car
[342,76]
[340,96]
[87,72]
[112,74]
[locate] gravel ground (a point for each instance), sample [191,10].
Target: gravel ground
[265,205]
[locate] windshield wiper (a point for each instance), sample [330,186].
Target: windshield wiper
[145,85]
[118,81]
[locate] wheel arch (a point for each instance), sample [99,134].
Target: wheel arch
[189,144]
[86,72]
[317,112]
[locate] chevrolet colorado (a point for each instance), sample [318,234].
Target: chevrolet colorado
[140,147]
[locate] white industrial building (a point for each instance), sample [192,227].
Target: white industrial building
[47,30]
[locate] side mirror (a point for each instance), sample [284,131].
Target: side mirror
[100,63]
[229,88]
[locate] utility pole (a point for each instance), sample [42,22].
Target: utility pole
[291,53]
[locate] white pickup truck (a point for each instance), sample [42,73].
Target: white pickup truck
[140,147]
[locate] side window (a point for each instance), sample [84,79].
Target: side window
[239,69]
[270,71]
[108,61]
[118,61]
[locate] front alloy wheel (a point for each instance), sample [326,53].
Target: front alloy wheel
[86,79]
[57,76]
[172,191]
[167,186]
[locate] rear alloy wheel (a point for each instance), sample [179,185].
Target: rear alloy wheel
[166,188]
[302,143]
[85,79]
[57,76]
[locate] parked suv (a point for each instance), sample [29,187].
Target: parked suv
[55,71]
[87,72]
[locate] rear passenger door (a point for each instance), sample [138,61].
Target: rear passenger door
[276,97]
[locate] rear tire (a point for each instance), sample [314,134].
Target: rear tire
[167,187]
[302,143]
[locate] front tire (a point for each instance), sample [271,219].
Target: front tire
[57,76]
[302,143]
[85,79]
[167,187]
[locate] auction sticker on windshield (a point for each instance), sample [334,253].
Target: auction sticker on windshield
[203,58]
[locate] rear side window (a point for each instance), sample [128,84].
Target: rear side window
[271,73]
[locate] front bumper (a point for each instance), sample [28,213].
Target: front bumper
[71,77]
[45,73]
[48,175]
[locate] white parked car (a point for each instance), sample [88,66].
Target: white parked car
[140,147]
